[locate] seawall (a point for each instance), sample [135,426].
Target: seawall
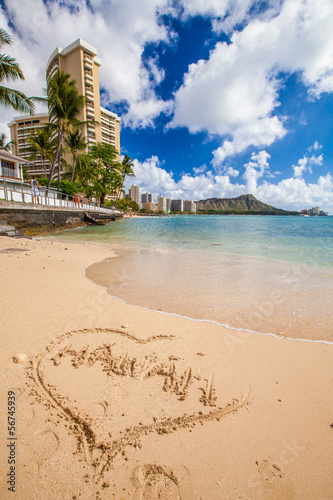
[37,219]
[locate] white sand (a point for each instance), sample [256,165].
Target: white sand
[141,412]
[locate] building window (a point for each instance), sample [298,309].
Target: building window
[8,169]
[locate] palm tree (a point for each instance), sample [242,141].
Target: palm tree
[10,70]
[75,143]
[126,168]
[4,144]
[41,143]
[65,106]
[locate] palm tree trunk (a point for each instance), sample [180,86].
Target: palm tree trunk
[54,162]
[74,161]
[59,162]
[44,166]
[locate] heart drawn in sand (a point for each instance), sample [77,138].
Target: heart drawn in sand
[96,378]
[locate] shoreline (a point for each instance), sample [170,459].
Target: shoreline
[228,327]
[241,293]
[150,413]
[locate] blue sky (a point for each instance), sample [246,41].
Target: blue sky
[217,97]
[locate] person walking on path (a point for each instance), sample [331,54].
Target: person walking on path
[34,189]
[76,200]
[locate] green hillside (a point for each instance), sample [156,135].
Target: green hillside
[244,204]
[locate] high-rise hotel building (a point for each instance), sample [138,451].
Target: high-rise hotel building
[20,129]
[134,193]
[79,60]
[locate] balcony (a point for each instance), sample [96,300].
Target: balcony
[88,79]
[10,172]
[89,93]
[88,65]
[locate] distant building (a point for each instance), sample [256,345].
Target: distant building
[20,129]
[147,198]
[190,206]
[134,193]
[161,204]
[177,205]
[149,205]
[168,205]
[314,211]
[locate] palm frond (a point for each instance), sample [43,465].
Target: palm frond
[16,100]
[10,69]
[5,39]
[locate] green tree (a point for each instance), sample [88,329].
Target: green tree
[125,204]
[42,143]
[65,106]
[66,187]
[107,176]
[10,70]
[75,142]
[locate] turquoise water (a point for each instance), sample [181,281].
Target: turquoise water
[306,240]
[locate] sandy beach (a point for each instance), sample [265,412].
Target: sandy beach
[115,401]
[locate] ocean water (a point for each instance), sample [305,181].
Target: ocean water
[290,239]
[268,274]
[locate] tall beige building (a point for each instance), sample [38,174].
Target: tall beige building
[79,60]
[134,193]
[161,204]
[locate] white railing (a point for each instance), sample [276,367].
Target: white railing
[20,192]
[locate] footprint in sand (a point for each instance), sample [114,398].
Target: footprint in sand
[159,482]
[270,483]
[47,443]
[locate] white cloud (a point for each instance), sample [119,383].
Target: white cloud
[315,147]
[234,94]
[226,14]
[152,178]
[119,30]
[200,170]
[255,169]
[296,194]
[301,167]
[306,163]
[290,194]
[232,172]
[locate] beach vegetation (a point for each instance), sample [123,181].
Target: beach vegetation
[65,105]
[127,167]
[66,187]
[101,173]
[126,203]
[74,143]
[10,70]
[42,143]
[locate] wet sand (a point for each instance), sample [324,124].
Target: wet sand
[267,296]
[114,401]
